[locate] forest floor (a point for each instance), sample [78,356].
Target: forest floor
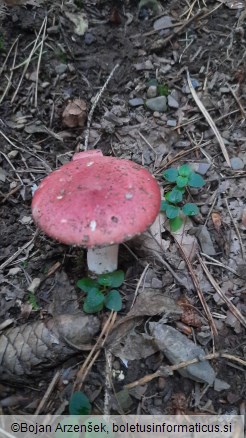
[190,59]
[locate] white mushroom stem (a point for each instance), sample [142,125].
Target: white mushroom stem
[102,260]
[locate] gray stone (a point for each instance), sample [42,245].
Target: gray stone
[172,123]
[172,103]
[156,283]
[205,240]
[163,23]
[61,68]
[237,163]
[157,104]
[178,348]
[137,101]
[2,175]
[220,385]
[152,91]
[203,168]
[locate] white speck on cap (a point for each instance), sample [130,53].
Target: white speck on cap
[90,163]
[93,225]
[59,197]
[128,195]
[63,221]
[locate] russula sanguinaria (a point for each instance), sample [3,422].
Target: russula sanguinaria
[96,202]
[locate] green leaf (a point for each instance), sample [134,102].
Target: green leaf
[190,209]
[176,223]
[164,205]
[86,284]
[79,404]
[33,301]
[172,211]
[185,170]
[175,196]
[112,279]
[163,90]
[113,300]
[182,181]
[94,301]
[195,180]
[170,174]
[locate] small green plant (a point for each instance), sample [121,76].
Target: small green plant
[101,292]
[33,301]
[182,177]
[79,404]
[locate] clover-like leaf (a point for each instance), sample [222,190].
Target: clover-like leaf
[164,205]
[195,180]
[170,174]
[79,404]
[113,300]
[172,211]
[182,181]
[175,195]
[185,170]
[190,209]
[176,223]
[86,284]
[111,279]
[94,301]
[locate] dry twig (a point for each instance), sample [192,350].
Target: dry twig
[209,120]
[168,370]
[226,300]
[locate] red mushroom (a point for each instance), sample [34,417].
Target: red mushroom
[97,202]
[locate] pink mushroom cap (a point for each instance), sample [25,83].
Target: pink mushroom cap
[95,201]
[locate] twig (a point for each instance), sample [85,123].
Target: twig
[226,300]
[39,62]
[161,43]
[19,251]
[48,393]
[242,110]
[236,229]
[11,72]
[139,283]
[209,119]
[28,62]
[12,166]
[168,370]
[199,292]
[108,372]
[96,100]
[91,358]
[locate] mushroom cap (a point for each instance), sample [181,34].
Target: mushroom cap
[95,201]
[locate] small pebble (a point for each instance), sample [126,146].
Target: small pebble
[203,168]
[237,163]
[172,123]
[221,385]
[172,103]
[60,68]
[13,154]
[157,104]
[89,38]
[152,91]
[163,23]
[156,283]
[137,101]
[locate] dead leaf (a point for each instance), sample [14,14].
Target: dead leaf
[233,4]
[153,302]
[134,346]
[80,21]
[216,218]
[74,115]
[187,241]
